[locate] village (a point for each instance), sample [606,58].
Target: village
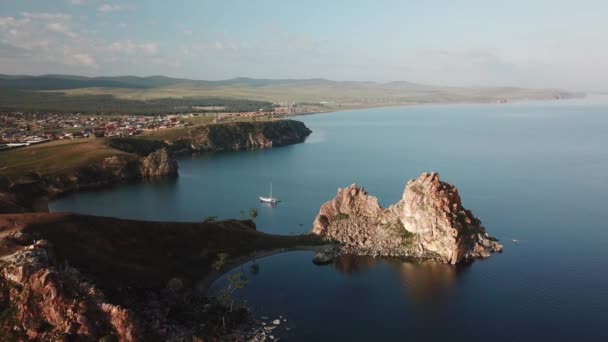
[18,129]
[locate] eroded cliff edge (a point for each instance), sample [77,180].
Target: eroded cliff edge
[429,222]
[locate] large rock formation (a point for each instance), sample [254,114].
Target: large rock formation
[429,222]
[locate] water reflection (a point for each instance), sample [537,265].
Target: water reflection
[354,264]
[423,283]
[428,282]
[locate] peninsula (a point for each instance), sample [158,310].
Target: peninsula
[30,176]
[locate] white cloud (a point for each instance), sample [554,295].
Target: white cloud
[76,2]
[6,22]
[61,28]
[85,60]
[46,16]
[129,48]
[107,8]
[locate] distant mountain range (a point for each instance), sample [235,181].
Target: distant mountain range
[59,82]
[53,91]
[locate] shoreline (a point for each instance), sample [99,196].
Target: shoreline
[447,103]
[204,285]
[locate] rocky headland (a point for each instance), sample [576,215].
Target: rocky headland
[32,192]
[135,159]
[428,223]
[234,136]
[69,277]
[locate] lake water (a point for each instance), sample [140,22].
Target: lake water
[533,172]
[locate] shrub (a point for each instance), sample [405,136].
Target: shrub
[340,216]
[221,261]
[210,219]
[399,231]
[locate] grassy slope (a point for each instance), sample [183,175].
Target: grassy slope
[53,157]
[126,257]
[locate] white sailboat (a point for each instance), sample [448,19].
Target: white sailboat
[270,199]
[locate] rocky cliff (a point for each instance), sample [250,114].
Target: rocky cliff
[32,194]
[48,303]
[240,136]
[429,222]
[158,164]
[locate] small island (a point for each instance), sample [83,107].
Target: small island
[428,223]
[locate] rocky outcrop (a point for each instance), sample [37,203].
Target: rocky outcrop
[158,164]
[48,303]
[429,222]
[241,136]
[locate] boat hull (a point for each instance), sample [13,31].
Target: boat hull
[268,200]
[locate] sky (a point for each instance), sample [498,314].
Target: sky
[533,43]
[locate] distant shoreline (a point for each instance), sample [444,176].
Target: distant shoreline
[415,104]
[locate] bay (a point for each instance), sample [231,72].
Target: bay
[535,173]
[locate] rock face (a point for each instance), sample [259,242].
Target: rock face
[242,136]
[429,222]
[47,303]
[158,164]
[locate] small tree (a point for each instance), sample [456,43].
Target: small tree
[253,213]
[235,281]
[210,219]
[221,261]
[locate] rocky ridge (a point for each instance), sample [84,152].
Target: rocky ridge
[429,222]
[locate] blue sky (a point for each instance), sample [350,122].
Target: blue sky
[522,43]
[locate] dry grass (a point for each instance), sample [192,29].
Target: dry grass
[53,157]
[333,95]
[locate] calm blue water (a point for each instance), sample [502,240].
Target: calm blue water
[535,172]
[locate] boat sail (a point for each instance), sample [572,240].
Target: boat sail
[270,199]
